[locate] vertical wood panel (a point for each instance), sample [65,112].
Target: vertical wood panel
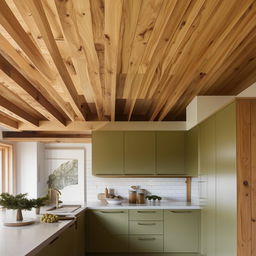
[244,232]
[253,174]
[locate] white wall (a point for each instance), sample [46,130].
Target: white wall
[26,168]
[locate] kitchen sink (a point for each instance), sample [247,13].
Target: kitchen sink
[64,209]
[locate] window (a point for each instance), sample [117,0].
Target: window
[7,175]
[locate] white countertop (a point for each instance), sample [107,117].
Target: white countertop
[28,240]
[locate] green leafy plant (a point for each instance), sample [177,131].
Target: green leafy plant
[18,202]
[41,201]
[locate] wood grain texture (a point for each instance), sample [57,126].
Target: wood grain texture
[127,60]
[253,176]
[244,179]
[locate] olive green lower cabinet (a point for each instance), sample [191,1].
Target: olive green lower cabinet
[63,245]
[71,242]
[107,231]
[152,232]
[181,231]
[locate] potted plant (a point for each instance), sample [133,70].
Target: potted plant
[39,202]
[18,202]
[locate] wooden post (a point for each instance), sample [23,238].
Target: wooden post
[188,182]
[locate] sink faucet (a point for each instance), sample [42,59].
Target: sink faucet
[57,197]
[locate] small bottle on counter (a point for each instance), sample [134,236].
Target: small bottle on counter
[132,197]
[106,193]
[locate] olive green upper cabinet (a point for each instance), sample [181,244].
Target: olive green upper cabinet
[108,153]
[170,152]
[191,151]
[140,153]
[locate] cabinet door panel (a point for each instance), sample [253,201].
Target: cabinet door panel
[181,231]
[107,153]
[80,235]
[191,152]
[226,181]
[140,153]
[207,185]
[107,230]
[170,152]
[110,243]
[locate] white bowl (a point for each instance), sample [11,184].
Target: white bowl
[114,201]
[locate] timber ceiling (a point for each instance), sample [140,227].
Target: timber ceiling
[64,61]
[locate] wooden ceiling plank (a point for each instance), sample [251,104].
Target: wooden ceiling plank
[184,28]
[113,14]
[97,17]
[77,26]
[130,16]
[226,12]
[17,111]
[14,74]
[8,123]
[177,18]
[229,40]
[155,42]
[148,15]
[65,12]
[34,75]
[13,27]
[220,79]
[45,29]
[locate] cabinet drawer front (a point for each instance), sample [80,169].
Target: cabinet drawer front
[146,227]
[146,214]
[146,243]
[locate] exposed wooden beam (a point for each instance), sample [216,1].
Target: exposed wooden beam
[32,74]
[14,74]
[76,22]
[81,126]
[46,137]
[13,27]
[45,29]
[9,123]
[113,14]
[17,111]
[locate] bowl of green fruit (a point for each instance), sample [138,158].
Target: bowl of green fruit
[49,218]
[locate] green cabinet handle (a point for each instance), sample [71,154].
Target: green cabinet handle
[181,211]
[112,212]
[147,239]
[146,211]
[146,224]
